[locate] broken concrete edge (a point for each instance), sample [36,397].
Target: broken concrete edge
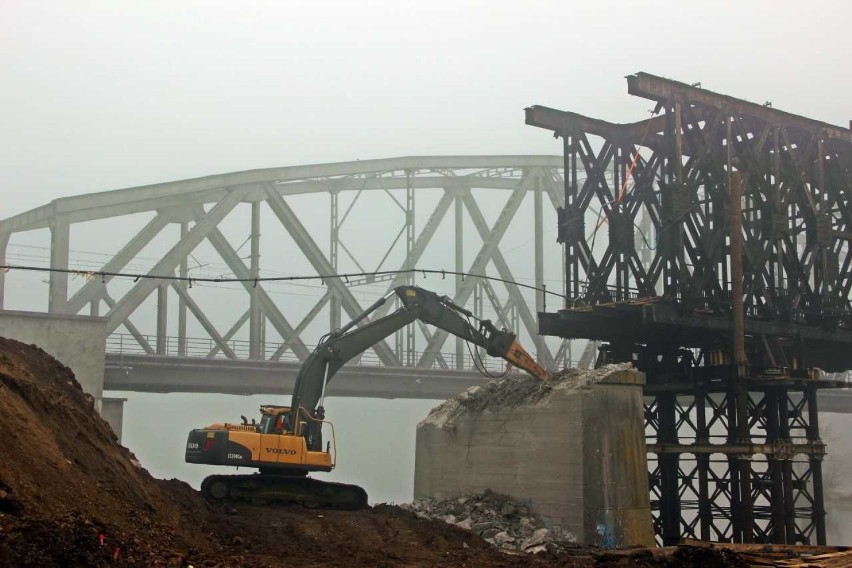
[512,390]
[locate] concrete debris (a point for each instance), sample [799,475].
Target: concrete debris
[514,390]
[506,524]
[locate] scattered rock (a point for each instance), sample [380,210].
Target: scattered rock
[498,519]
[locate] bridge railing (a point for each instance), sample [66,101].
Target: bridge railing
[204,348]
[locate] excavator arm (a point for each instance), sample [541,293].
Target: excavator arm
[341,345]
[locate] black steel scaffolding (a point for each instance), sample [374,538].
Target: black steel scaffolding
[718,262]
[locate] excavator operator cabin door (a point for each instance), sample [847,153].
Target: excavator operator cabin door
[279,447]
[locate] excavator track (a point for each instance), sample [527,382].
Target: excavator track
[283,489]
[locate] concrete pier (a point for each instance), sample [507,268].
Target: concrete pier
[78,342]
[575,453]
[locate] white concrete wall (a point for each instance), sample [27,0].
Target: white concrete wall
[79,342]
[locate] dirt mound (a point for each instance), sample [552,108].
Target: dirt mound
[64,478]
[70,496]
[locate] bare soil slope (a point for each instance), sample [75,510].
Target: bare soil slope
[70,495]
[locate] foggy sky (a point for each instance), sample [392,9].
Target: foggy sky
[103,95]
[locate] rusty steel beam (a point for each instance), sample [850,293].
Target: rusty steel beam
[565,122]
[660,89]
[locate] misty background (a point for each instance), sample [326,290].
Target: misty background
[104,95]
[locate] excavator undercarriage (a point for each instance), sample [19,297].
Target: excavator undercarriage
[271,488]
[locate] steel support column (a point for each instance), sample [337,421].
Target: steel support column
[162,317]
[815,462]
[333,244]
[459,267]
[183,272]
[4,242]
[668,464]
[255,318]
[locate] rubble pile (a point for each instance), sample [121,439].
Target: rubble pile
[505,523]
[516,389]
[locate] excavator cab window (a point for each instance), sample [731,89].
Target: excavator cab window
[267,424]
[274,424]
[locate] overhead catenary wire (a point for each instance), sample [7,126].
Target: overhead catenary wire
[102,274]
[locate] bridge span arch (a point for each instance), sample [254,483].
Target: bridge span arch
[482,215]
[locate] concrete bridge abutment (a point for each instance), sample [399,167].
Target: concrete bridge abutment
[78,342]
[576,455]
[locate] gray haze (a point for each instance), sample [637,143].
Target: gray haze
[105,95]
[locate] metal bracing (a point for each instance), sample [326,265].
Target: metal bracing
[268,307]
[334,239]
[171,259]
[255,318]
[505,273]
[91,289]
[183,272]
[4,243]
[490,241]
[420,244]
[302,325]
[459,265]
[740,464]
[321,264]
[134,331]
[230,333]
[162,317]
[199,209]
[725,328]
[202,319]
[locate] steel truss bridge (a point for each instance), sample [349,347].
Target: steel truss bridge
[744,289]
[472,214]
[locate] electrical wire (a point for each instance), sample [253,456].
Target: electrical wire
[102,274]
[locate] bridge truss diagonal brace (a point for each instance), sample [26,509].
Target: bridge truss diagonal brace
[491,240]
[93,289]
[423,240]
[315,256]
[230,333]
[167,265]
[202,319]
[303,324]
[505,273]
[267,305]
[137,335]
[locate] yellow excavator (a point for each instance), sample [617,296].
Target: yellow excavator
[286,444]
